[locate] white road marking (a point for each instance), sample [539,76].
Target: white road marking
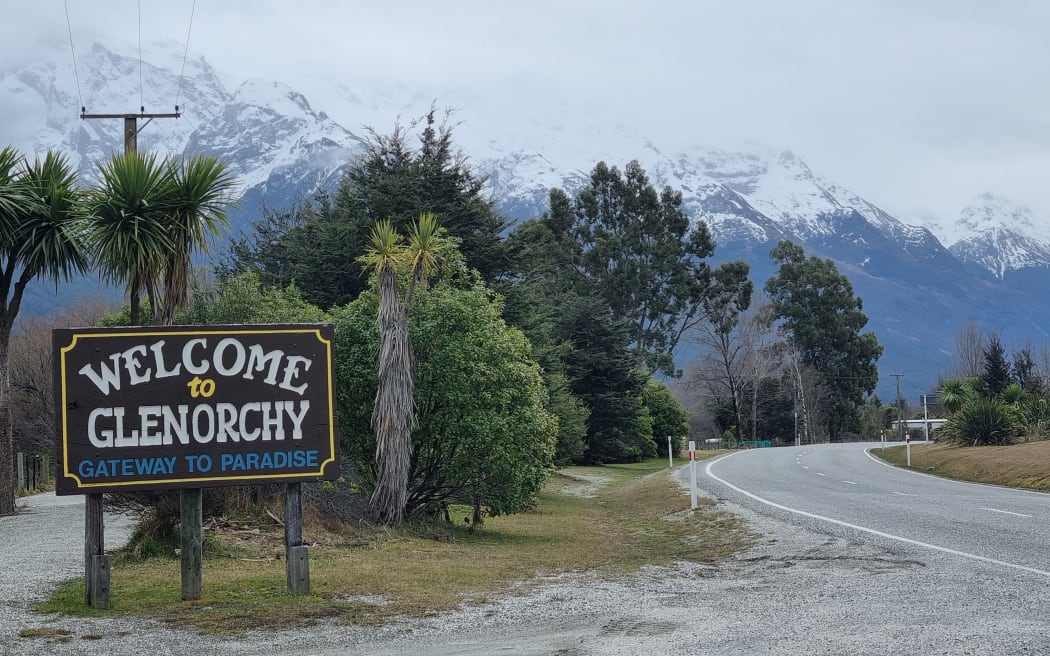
[850,482]
[821,474]
[1005,512]
[804,467]
[867,452]
[881,534]
[903,494]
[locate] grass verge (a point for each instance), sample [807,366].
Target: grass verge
[1018,465]
[590,522]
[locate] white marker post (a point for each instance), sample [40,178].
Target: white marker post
[907,442]
[692,474]
[670,461]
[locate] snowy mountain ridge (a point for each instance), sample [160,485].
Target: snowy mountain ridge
[283,148]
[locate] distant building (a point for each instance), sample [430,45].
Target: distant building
[919,424]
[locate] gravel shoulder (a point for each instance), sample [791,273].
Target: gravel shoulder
[803,589]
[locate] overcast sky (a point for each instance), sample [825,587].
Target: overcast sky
[916,106]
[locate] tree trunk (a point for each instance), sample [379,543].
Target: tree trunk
[393,416]
[7,446]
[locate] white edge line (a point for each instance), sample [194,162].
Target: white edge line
[905,494]
[881,534]
[1005,512]
[850,482]
[882,462]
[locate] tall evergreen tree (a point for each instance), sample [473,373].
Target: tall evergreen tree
[397,180]
[996,374]
[816,306]
[599,367]
[638,250]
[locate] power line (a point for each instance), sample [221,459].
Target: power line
[76,75]
[142,105]
[185,52]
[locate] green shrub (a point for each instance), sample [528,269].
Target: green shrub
[982,422]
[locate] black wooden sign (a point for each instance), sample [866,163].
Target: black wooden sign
[193,406]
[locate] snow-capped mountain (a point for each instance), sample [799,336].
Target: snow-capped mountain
[267,132]
[916,292]
[998,235]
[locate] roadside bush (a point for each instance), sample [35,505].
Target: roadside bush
[982,422]
[484,436]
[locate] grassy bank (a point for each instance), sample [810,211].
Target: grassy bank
[1019,465]
[590,521]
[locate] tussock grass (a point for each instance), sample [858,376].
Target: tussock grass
[637,516]
[1018,465]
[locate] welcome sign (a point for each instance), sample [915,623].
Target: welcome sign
[193,406]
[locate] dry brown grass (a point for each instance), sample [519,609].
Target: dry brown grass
[1019,465]
[638,517]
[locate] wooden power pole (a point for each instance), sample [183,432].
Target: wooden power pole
[96,562]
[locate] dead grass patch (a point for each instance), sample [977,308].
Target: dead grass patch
[1024,465]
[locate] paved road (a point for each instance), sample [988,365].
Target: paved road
[846,487]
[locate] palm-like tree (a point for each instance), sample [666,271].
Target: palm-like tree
[394,413]
[130,235]
[40,236]
[148,218]
[199,195]
[954,394]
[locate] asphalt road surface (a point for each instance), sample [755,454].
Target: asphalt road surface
[845,486]
[853,558]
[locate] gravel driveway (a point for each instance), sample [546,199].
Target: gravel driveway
[805,589]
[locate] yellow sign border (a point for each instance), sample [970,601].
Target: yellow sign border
[203,331]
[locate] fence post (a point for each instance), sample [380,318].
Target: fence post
[297,557]
[192,542]
[96,582]
[20,458]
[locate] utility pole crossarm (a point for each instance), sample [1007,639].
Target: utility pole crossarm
[131,129]
[143,115]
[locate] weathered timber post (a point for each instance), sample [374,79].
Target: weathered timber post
[96,562]
[20,466]
[297,557]
[192,542]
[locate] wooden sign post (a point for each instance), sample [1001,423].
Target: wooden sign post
[187,407]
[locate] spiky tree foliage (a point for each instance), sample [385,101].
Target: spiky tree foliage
[149,217]
[955,393]
[40,237]
[196,204]
[394,414]
[982,422]
[130,236]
